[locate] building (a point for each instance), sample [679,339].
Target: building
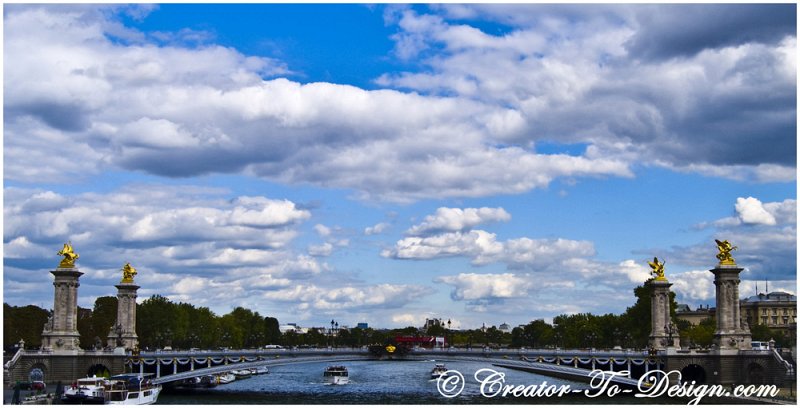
[505,328]
[684,312]
[776,310]
[362,326]
[292,327]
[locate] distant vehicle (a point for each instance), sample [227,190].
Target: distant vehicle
[759,345]
[167,348]
[273,346]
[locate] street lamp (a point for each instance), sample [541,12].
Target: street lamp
[447,337]
[669,331]
[590,339]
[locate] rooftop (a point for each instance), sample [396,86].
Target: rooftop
[772,297]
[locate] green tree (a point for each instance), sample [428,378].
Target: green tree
[23,323]
[104,316]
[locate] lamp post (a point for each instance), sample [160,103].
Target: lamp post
[447,335]
[668,330]
[590,338]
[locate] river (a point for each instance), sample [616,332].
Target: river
[379,382]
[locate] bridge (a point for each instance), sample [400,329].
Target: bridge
[702,366]
[575,364]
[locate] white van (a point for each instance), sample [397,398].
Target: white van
[759,345]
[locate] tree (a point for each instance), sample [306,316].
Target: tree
[23,323]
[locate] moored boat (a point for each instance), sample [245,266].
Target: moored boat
[131,389]
[226,378]
[89,390]
[241,374]
[259,370]
[336,375]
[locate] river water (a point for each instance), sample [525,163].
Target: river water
[379,382]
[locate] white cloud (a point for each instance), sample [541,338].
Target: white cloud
[751,211]
[472,286]
[377,228]
[324,249]
[181,112]
[457,219]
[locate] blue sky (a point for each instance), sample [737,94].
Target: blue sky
[387,163]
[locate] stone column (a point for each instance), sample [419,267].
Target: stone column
[61,330]
[659,314]
[125,327]
[731,332]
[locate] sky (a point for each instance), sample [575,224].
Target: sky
[386,163]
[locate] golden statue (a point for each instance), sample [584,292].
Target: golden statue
[724,255]
[69,256]
[657,269]
[128,273]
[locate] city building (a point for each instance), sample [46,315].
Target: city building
[776,310]
[505,328]
[292,327]
[362,326]
[684,312]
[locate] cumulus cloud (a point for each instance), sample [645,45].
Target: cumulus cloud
[751,211]
[602,76]
[311,298]
[176,111]
[472,286]
[457,219]
[764,232]
[377,228]
[184,234]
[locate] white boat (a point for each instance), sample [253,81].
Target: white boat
[439,371]
[241,373]
[131,389]
[259,370]
[89,390]
[336,375]
[226,378]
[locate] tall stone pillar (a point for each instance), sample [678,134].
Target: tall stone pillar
[123,334]
[663,332]
[659,315]
[732,332]
[60,333]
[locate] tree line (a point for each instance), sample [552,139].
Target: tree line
[161,323]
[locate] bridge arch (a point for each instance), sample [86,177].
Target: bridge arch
[756,374]
[693,372]
[99,370]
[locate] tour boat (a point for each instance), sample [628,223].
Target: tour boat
[89,390]
[439,370]
[336,375]
[131,389]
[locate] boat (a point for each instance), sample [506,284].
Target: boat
[131,389]
[336,375]
[241,373]
[226,378]
[259,370]
[206,381]
[38,399]
[88,390]
[439,371]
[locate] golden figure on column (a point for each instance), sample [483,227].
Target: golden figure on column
[69,256]
[657,269]
[128,272]
[724,255]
